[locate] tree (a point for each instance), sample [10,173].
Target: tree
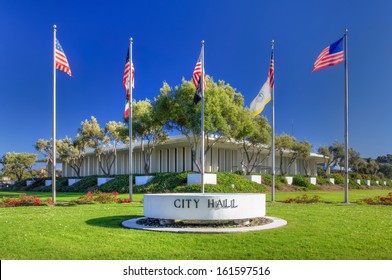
[222,107]
[361,166]
[372,167]
[385,159]
[386,169]
[72,152]
[353,159]
[17,163]
[104,141]
[147,126]
[254,135]
[45,147]
[303,151]
[284,143]
[332,155]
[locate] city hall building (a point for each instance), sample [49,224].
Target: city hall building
[175,156]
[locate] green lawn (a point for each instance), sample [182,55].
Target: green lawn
[315,231]
[332,196]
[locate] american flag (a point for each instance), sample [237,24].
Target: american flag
[271,71]
[126,75]
[61,59]
[196,80]
[330,56]
[126,111]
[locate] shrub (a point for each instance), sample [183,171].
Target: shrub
[320,171]
[88,198]
[106,197]
[177,182]
[355,176]
[84,185]
[339,179]
[97,197]
[353,184]
[239,172]
[120,184]
[163,182]
[378,200]
[225,180]
[279,180]
[322,181]
[303,182]
[376,178]
[304,199]
[267,179]
[124,200]
[24,200]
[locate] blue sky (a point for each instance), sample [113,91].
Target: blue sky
[167,36]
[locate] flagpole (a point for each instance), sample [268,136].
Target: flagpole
[202,116]
[54,119]
[130,120]
[273,133]
[345,117]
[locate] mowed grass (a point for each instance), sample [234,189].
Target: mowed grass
[332,196]
[314,231]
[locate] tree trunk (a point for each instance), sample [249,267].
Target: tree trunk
[328,170]
[305,165]
[195,161]
[281,164]
[146,159]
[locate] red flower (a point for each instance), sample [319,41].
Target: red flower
[126,200]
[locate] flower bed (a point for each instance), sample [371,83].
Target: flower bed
[88,198]
[378,200]
[24,200]
[100,197]
[304,199]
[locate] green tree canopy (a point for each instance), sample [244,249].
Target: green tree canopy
[254,135]
[148,126]
[223,105]
[104,141]
[17,164]
[45,147]
[332,155]
[72,152]
[284,143]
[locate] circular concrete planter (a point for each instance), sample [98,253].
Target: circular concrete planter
[211,206]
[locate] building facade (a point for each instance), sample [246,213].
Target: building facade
[175,156]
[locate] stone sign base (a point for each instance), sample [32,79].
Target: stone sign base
[204,213]
[207,206]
